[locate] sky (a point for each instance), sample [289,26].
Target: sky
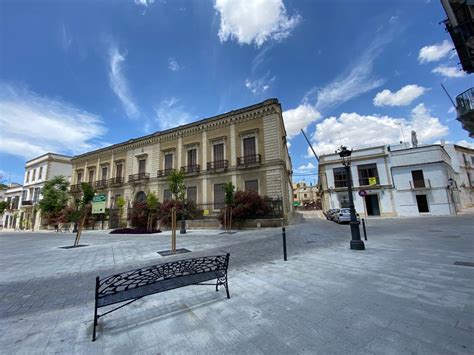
[80,75]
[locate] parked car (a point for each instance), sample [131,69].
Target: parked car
[331,213]
[344,215]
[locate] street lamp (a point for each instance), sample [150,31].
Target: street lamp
[356,242]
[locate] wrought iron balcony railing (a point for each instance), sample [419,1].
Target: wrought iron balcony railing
[101,184]
[27,202]
[76,188]
[249,160]
[139,177]
[164,172]
[191,169]
[420,184]
[218,165]
[465,102]
[116,181]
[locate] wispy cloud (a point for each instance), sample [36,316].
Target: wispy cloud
[171,113]
[173,64]
[119,84]
[32,124]
[66,39]
[449,72]
[357,79]
[260,85]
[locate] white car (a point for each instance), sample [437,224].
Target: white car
[344,215]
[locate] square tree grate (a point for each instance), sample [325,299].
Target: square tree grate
[169,252]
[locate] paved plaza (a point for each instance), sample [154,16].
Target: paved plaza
[404,294]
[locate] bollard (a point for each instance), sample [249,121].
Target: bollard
[283,232]
[363,227]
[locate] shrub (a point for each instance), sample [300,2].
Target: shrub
[191,212]
[248,205]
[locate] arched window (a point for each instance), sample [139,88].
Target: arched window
[140,197]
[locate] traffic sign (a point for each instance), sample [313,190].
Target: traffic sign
[362,193]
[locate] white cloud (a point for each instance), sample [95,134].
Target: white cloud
[173,64]
[450,72]
[32,125]
[402,97]
[170,113]
[66,39]
[435,52]
[299,118]
[464,143]
[355,130]
[144,3]
[452,109]
[259,86]
[305,168]
[393,19]
[119,84]
[254,21]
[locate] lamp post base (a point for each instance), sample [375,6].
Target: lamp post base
[357,245]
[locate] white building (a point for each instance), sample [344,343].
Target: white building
[396,181]
[11,213]
[37,172]
[462,161]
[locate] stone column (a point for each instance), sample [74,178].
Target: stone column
[233,146]
[179,153]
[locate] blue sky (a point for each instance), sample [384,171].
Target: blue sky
[78,75]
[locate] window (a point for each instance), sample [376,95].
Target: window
[118,170]
[418,178]
[249,147]
[305,195]
[219,196]
[191,194]
[192,157]
[142,166]
[79,177]
[295,196]
[472,160]
[167,195]
[464,158]
[104,173]
[368,174]
[251,185]
[91,175]
[218,151]
[36,194]
[169,161]
[33,177]
[24,195]
[40,174]
[27,176]
[115,198]
[340,178]
[469,178]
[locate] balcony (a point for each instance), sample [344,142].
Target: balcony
[465,110]
[249,161]
[191,169]
[76,188]
[164,172]
[100,184]
[140,177]
[27,203]
[116,181]
[420,184]
[372,181]
[218,165]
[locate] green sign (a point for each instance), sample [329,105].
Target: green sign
[98,204]
[296,203]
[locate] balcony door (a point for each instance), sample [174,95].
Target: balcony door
[104,173]
[218,152]
[142,166]
[192,157]
[168,161]
[249,147]
[118,170]
[418,178]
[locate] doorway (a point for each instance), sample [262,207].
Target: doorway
[422,203]
[372,205]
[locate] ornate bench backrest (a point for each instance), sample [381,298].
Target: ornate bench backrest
[151,274]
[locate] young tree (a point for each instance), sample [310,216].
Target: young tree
[120,203]
[178,189]
[153,205]
[55,197]
[88,193]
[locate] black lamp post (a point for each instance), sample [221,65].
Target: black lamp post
[356,242]
[183,221]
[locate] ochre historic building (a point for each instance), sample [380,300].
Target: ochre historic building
[246,147]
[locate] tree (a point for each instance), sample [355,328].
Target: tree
[229,200]
[153,205]
[55,197]
[178,189]
[120,202]
[3,206]
[88,193]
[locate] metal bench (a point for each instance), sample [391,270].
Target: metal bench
[132,285]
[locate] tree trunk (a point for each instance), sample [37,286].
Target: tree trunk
[79,232]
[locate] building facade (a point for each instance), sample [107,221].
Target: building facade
[246,147]
[25,198]
[462,161]
[394,180]
[306,196]
[12,212]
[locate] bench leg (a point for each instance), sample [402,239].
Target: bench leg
[95,307]
[226,287]
[217,285]
[95,323]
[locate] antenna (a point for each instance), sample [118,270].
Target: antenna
[446,91]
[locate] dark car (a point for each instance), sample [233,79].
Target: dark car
[330,214]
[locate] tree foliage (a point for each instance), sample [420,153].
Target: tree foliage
[191,211]
[55,197]
[249,205]
[229,194]
[177,186]
[3,206]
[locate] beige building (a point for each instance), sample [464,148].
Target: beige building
[305,195]
[246,147]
